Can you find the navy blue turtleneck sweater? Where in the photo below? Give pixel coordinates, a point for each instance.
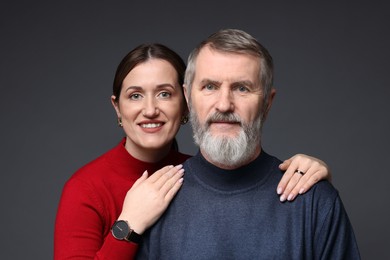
(236, 214)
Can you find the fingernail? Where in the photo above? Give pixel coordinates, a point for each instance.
(290, 197)
(282, 198)
(301, 191)
(279, 190)
(179, 166)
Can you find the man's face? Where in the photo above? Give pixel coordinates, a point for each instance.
(226, 101)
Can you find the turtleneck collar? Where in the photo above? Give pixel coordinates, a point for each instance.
(125, 164)
(253, 174)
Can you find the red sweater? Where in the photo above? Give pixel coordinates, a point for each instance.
(92, 200)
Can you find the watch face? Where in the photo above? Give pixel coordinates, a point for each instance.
(120, 229)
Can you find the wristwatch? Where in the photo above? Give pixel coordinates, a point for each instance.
(122, 231)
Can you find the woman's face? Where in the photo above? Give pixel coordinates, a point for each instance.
(150, 105)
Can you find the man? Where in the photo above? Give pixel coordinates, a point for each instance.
(227, 208)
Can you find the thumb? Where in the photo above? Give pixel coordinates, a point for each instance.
(143, 177)
(285, 164)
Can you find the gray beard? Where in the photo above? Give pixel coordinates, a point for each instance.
(231, 152)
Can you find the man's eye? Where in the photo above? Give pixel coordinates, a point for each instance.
(242, 89)
(165, 94)
(209, 87)
(135, 96)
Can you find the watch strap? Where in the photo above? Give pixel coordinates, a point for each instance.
(134, 237)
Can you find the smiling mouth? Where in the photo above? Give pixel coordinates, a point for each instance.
(151, 125)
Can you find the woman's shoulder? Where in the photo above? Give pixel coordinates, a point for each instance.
(98, 166)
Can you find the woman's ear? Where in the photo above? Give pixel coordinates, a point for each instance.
(115, 104)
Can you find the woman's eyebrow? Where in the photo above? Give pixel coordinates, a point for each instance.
(136, 88)
(164, 85)
(159, 86)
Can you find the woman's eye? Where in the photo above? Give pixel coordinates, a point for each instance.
(164, 94)
(135, 96)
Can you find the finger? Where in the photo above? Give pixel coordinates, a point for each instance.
(167, 176)
(313, 175)
(314, 168)
(288, 193)
(143, 177)
(284, 165)
(297, 188)
(172, 183)
(173, 191)
(156, 175)
(286, 177)
(312, 178)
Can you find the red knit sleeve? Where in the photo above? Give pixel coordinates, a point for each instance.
(81, 227)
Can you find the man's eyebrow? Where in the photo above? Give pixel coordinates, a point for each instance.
(217, 83)
(209, 81)
(244, 82)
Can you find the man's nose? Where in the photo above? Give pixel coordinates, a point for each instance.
(225, 102)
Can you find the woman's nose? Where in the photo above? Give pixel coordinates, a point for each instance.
(150, 108)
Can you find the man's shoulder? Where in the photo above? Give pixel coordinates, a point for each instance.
(323, 196)
(325, 188)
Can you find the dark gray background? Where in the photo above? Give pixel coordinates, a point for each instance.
(58, 61)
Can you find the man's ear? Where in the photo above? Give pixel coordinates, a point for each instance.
(271, 97)
(115, 104)
(186, 108)
(186, 94)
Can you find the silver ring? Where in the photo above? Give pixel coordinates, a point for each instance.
(299, 171)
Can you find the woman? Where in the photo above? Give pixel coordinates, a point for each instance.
(150, 106)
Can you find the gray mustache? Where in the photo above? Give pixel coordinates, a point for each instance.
(224, 117)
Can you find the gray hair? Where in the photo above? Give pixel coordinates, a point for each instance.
(235, 41)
